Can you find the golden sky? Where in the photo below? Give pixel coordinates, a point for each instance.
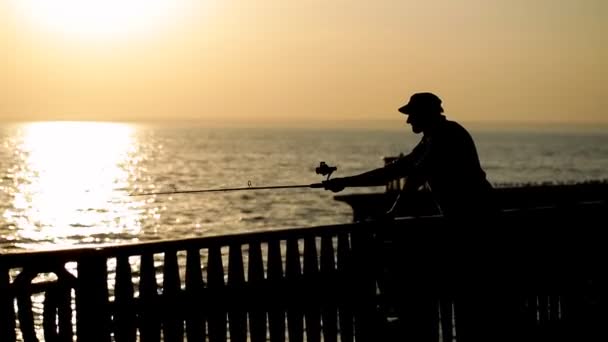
(292, 61)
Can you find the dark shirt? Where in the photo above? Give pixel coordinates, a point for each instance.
(446, 159)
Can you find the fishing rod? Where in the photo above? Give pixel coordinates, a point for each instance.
(322, 169)
(314, 185)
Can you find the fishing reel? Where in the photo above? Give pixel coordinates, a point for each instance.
(325, 170)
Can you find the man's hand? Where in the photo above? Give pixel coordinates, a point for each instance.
(334, 184)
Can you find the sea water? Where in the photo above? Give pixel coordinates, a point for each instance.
(68, 183)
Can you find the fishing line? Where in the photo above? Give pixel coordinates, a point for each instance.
(322, 169)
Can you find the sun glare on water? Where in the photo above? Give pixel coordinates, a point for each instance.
(96, 18)
(71, 172)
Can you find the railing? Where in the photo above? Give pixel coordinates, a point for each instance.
(423, 279)
(295, 283)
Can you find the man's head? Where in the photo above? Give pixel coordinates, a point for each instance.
(423, 109)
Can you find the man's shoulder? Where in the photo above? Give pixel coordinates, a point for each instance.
(452, 124)
(454, 134)
(453, 127)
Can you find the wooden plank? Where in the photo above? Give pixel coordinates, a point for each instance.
(237, 313)
(364, 285)
(124, 315)
(257, 297)
(543, 308)
(49, 314)
(345, 310)
(57, 313)
(148, 299)
(446, 313)
(64, 311)
(293, 277)
(329, 307)
(216, 296)
(7, 308)
(196, 308)
(532, 313)
(22, 292)
(173, 321)
(276, 295)
(554, 303)
(92, 307)
(26, 316)
(311, 291)
(526, 321)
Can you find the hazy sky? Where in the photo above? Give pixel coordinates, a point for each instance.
(269, 60)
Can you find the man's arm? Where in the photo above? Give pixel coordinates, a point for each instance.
(370, 178)
(418, 171)
(376, 177)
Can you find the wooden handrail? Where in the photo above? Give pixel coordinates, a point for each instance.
(18, 259)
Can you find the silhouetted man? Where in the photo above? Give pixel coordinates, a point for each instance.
(445, 159)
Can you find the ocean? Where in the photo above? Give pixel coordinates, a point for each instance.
(69, 183)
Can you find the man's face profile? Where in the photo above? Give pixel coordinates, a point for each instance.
(416, 121)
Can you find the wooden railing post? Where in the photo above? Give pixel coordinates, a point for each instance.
(149, 323)
(345, 304)
(237, 314)
(173, 321)
(293, 277)
(276, 310)
(329, 307)
(216, 298)
(93, 315)
(125, 328)
(446, 312)
(364, 282)
(22, 292)
(257, 297)
(49, 314)
(57, 313)
(196, 307)
(26, 316)
(64, 311)
(312, 289)
(412, 274)
(7, 308)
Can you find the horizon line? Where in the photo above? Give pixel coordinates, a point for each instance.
(334, 123)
